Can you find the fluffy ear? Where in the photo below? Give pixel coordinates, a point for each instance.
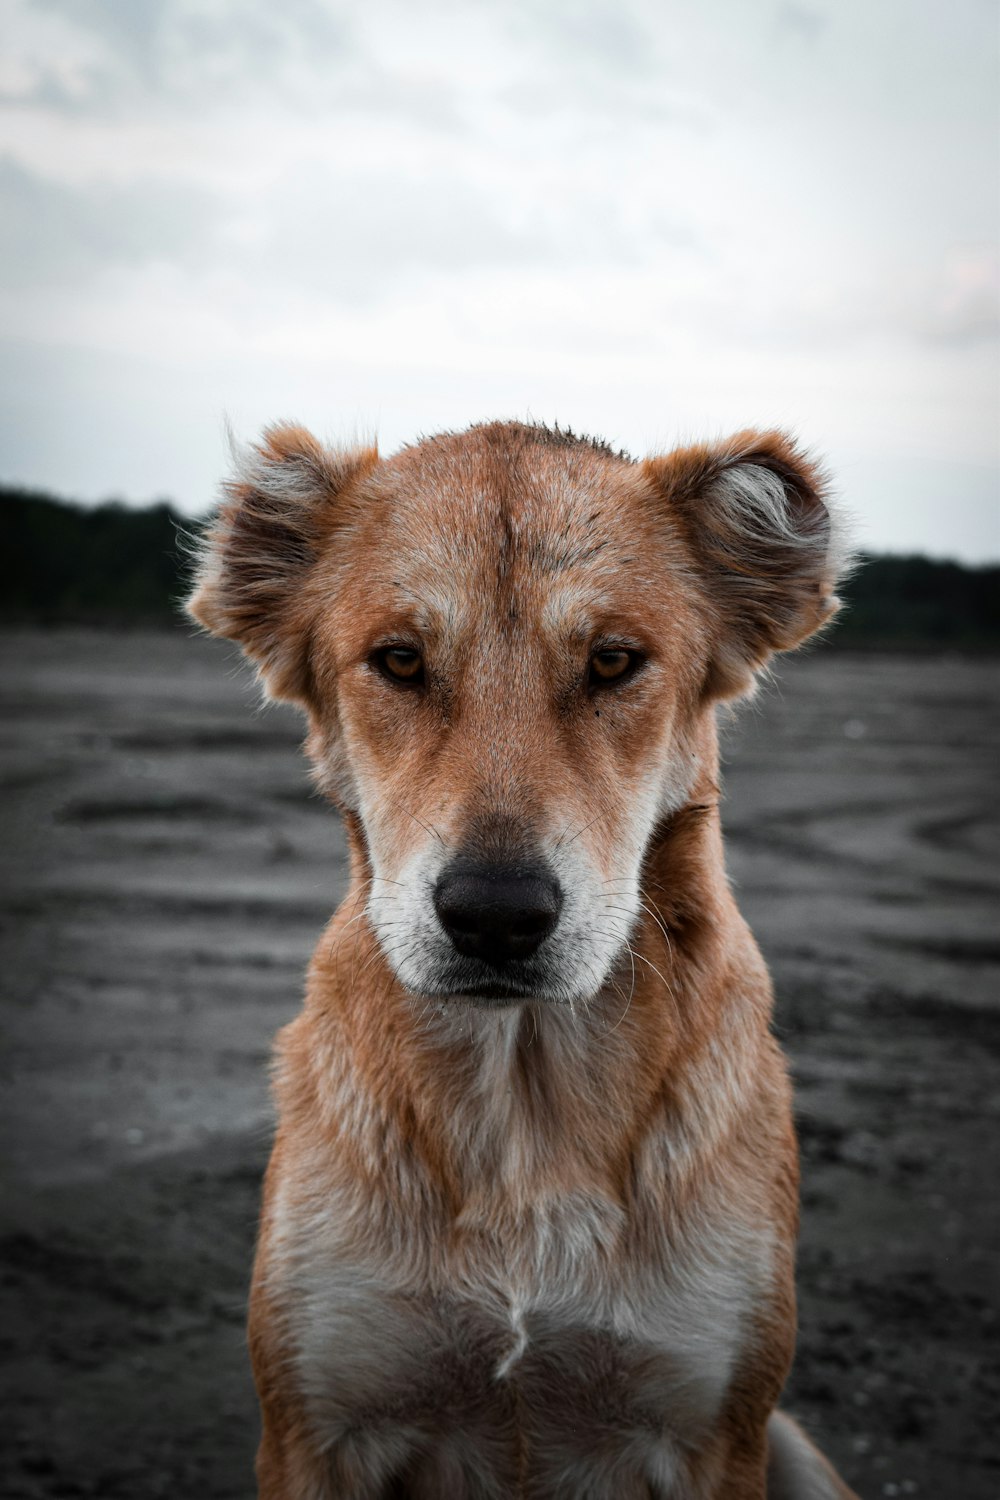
(277, 511)
(766, 545)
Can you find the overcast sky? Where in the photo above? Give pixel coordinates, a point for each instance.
(650, 221)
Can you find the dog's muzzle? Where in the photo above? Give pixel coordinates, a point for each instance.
(496, 913)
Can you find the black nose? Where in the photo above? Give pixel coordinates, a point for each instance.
(497, 912)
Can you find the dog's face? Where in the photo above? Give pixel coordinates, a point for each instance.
(508, 642)
(509, 650)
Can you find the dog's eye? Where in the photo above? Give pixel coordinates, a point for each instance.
(611, 666)
(401, 663)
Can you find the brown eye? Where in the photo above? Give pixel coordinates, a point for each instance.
(401, 663)
(611, 666)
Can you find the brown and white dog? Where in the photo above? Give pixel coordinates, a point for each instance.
(529, 1225)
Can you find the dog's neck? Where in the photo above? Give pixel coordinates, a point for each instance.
(526, 1094)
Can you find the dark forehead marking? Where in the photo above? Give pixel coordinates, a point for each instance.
(505, 446)
(556, 559)
(507, 546)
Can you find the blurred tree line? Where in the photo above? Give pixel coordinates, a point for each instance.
(110, 565)
(106, 564)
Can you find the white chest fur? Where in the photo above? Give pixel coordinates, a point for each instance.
(553, 1342)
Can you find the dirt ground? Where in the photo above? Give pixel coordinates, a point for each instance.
(165, 875)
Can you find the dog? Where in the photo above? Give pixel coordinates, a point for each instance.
(529, 1224)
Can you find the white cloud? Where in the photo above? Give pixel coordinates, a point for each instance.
(637, 218)
(52, 233)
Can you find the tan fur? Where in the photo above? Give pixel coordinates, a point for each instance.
(539, 1245)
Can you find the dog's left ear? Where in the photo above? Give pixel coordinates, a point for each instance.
(278, 512)
(756, 516)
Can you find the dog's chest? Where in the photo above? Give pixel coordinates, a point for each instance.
(587, 1365)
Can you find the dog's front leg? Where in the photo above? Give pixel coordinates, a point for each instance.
(362, 1466)
(286, 1470)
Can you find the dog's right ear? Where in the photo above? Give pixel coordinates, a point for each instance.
(277, 512)
(766, 542)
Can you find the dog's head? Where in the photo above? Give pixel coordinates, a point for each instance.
(508, 642)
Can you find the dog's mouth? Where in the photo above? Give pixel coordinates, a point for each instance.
(495, 994)
(487, 985)
(490, 994)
